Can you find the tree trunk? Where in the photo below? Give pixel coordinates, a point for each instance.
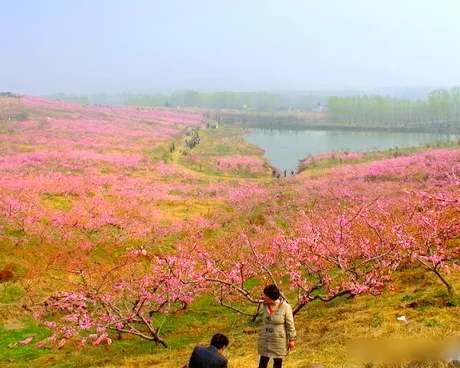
(449, 287)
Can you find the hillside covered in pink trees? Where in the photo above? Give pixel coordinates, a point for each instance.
(110, 229)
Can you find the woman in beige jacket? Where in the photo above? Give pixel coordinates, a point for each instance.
(278, 331)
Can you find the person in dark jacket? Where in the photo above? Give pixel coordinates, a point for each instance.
(211, 356)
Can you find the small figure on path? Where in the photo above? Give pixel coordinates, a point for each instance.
(284, 173)
(278, 175)
(211, 356)
(278, 333)
(292, 172)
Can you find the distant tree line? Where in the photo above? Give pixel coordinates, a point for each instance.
(83, 100)
(9, 95)
(441, 107)
(264, 101)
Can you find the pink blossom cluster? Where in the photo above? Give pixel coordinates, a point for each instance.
(20, 161)
(77, 168)
(163, 285)
(93, 203)
(253, 164)
(43, 103)
(340, 156)
(154, 114)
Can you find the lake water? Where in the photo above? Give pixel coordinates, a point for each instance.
(284, 148)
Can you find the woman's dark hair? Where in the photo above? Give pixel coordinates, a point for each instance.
(219, 341)
(272, 292)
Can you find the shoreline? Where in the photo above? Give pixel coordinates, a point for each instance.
(356, 128)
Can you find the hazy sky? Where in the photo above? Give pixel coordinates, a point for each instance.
(89, 46)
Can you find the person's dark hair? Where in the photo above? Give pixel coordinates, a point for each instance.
(272, 292)
(219, 341)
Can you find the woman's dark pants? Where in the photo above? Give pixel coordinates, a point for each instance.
(277, 362)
